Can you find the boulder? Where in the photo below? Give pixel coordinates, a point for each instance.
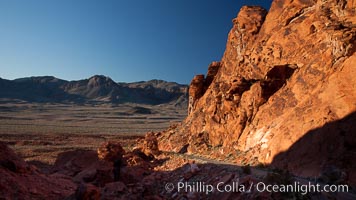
(84, 166)
(20, 180)
(87, 192)
(150, 145)
(110, 151)
(10, 161)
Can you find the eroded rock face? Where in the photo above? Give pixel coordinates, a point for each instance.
(12, 162)
(20, 180)
(212, 71)
(283, 74)
(84, 166)
(150, 145)
(110, 151)
(200, 84)
(143, 179)
(196, 90)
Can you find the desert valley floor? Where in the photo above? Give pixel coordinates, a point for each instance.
(39, 131)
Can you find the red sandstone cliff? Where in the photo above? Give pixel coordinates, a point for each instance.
(284, 92)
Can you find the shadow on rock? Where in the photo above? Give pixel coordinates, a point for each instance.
(328, 152)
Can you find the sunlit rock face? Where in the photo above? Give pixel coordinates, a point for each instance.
(284, 75)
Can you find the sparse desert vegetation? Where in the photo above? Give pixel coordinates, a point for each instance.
(39, 131)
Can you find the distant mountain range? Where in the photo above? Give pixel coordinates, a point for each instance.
(97, 89)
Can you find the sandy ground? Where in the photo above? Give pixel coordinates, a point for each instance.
(39, 131)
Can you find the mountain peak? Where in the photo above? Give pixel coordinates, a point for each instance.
(99, 77)
(100, 80)
(96, 88)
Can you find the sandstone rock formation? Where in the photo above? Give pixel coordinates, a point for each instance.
(199, 85)
(22, 181)
(283, 74)
(84, 166)
(282, 95)
(212, 71)
(139, 178)
(196, 90)
(110, 151)
(150, 145)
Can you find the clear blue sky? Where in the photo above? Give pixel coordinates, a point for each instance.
(127, 40)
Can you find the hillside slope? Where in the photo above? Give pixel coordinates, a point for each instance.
(283, 94)
(97, 89)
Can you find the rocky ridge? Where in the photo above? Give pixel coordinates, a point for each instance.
(96, 89)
